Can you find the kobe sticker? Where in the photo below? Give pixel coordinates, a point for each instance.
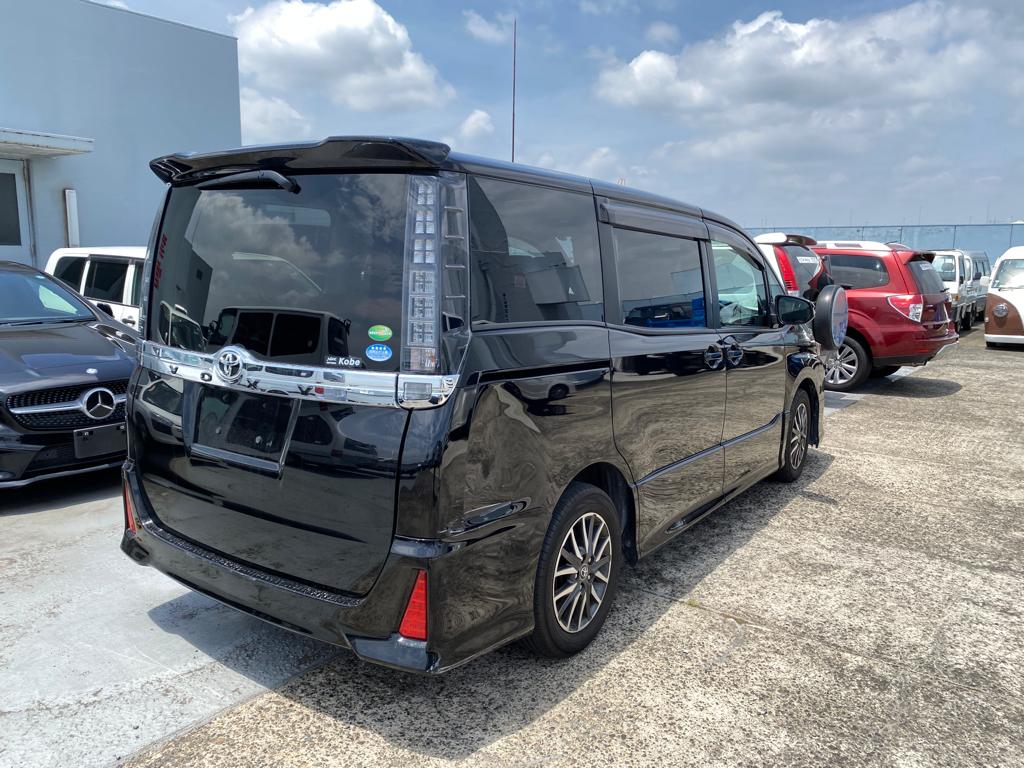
(378, 352)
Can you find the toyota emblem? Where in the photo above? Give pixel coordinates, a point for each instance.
(99, 403)
(229, 364)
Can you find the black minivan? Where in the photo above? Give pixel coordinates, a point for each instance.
(421, 404)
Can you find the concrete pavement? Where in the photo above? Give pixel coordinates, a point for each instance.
(868, 615)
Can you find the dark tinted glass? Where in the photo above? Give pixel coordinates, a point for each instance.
(10, 225)
(301, 277)
(742, 296)
(137, 286)
(534, 254)
(105, 280)
(806, 264)
(30, 296)
(661, 284)
(927, 279)
(69, 269)
(856, 271)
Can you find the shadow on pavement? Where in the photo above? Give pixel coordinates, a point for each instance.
(910, 386)
(60, 492)
(457, 714)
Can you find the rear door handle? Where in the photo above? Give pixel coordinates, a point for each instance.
(713, 356)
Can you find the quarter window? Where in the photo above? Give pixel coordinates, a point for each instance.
(106, 280)
(69, 270)
(742, 295)
(534, 254)
(661, 284)
(853, 271)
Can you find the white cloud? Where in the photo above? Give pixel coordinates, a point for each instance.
(603, 7)
(771, 85)
(662, 33)
(353, 49)
(476, 125)
(269, 119)
(497, 31)
(602, 163)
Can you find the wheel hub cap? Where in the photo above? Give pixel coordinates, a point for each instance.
(582, 572)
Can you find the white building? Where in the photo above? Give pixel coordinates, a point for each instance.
(88, 96)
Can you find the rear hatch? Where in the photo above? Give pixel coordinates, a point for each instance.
(297, 280)
(935, 315)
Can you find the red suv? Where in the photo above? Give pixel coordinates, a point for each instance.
(899, 310)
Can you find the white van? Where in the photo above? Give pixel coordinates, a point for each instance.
(110, 277)
(957, 273)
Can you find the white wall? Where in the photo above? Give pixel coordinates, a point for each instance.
(140, 87)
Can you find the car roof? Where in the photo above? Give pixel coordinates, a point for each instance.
(16, 266)
(130, 251)
(397, 153)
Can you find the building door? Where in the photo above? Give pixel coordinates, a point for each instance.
(15, 233)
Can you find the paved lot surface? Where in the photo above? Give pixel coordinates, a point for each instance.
(99, 657)
(870, 614)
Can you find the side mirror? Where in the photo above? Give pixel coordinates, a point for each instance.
(792, 310)
(831, 317)
(977, 276)
(105, 309)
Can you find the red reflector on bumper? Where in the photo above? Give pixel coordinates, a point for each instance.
(414, 621)
(129, 511)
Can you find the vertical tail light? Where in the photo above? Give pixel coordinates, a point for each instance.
(435, 300)
(414, 620)
(911, 306)
(786, 269)
(129, 510)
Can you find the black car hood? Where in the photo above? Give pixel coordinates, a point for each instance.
(33, 357)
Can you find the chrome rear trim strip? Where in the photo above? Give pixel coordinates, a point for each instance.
(235, 368)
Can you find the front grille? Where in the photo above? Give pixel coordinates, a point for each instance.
(66, 419)
(63, 419)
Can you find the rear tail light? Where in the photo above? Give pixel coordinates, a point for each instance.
(434, 285)
(786, 269)
(414, 620)
(129, 510)
(911, 306)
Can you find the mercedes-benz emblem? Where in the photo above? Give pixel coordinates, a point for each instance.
(229, 364)
(99, 403)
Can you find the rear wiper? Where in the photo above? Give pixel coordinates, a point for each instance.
(252, 177)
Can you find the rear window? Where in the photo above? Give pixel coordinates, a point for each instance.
(852, 270)
(927, 279)
(312, 278)
(945, 265)
(806, 263)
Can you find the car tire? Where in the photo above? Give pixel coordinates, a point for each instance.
(563, 625)
(851, 363)
(991, 345)
(880, 371)
(798, 432)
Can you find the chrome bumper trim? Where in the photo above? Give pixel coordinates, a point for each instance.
(63, 473)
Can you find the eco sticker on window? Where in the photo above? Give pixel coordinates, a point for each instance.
(379, 333)
(378, 352)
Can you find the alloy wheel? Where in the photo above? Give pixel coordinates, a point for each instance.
(842, 368)
(582, 572)
(798, 436)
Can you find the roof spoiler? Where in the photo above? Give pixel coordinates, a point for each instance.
(783, 238)
(335, 152)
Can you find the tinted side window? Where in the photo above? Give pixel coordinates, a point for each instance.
(855, 271)
(742, 296)
(69, 269)
(534, 254)
(106, 280)
(661, 284)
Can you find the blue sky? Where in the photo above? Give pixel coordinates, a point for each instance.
(785, 113)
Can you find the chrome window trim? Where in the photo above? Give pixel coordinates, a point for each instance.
(301, 382)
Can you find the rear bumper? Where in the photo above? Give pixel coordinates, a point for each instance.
(916, 350)
(366, 625)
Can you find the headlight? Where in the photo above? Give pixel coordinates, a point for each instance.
(1000, 310)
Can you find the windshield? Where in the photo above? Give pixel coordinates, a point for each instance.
(31, 297)
(313, 278)
(1010, 274)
